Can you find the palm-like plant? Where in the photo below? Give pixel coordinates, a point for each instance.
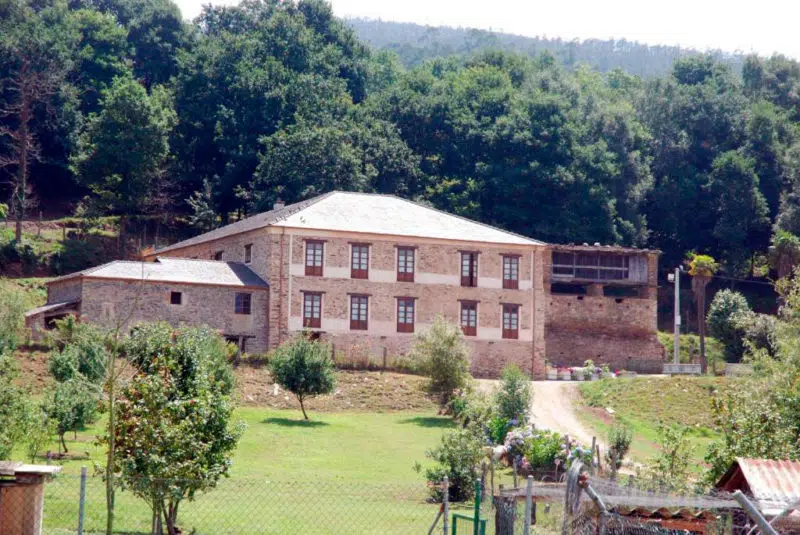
(702, 268)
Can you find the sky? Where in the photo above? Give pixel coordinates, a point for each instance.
(761, 26)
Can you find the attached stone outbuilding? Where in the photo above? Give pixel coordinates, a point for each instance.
(226, 296)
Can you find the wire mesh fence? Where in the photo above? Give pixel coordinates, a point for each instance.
(250, 506)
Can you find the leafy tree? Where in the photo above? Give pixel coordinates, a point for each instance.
(303, 367)
(443, 356)
(742, 213)
(84, 357)
(784, 253)
(724, 319)
(12, 308)
(174, 437)
(513, 398)
(203, 216)
(14, 407)
(33, 68)
(123, 148)
(72, 405)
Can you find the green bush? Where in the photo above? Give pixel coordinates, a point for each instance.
(513, 399)
(457, 457)
(441, 354)
(304, 368)
(72, 405)
(498, 427)
(690, 345)
(724, 322)
(12, 319)
(75, 255)
(543, 449)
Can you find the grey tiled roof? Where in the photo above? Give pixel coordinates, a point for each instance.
(367, 213)
(177, 270)
(264, 219)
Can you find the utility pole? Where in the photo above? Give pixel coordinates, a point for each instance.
(676, 279)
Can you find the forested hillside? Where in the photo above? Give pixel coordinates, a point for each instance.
(415, 43)
(119, 108)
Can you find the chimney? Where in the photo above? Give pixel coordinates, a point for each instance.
(278, 204)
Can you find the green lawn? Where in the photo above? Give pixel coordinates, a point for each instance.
(644, 402)
(339, 473)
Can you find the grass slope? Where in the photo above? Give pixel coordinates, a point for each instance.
(644, 402)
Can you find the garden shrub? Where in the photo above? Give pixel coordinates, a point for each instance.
(77, 254)
(72, 405)
(457, 457)
(442, 355)
(543, 448)
(498, 427)
(12, 322)
(513, 399)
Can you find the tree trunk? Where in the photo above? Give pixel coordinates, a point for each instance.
(22, 172)
(64, 444)
(172, 517)
(302, 407)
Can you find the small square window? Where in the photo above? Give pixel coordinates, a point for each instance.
(175, 298)
(248, 253)
(242, 304)
(218, 255)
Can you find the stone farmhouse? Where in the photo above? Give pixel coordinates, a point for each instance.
(367, 271)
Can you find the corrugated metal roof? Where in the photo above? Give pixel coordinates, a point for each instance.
(772, 481)
(177, 270)
(367, 213)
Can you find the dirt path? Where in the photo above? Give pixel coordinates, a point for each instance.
(552, 408)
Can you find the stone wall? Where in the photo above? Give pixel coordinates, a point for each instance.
(488, 357)
(66, 290)
(106, 302)
(232, 248)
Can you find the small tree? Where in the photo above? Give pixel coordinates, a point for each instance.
(304, 367)
(620, 437)
(784, 253)
(724, 320)
(14, 407)
(72, 405)
(442, 355)
(669, 469)
(173, 434)
(457, 457)
(513, 399)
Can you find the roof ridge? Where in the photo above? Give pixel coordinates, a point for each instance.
(485, 225)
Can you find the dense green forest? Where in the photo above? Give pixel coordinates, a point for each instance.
(415, 43)
(119, 107)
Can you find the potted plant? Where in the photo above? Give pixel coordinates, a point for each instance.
(589, 370)
(605, 372)
(564, 374)
(552, 373)
(577, 374)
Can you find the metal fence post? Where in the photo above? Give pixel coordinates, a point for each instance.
(82, 501)
(476, 524)
(526, 529)
(446, 505)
